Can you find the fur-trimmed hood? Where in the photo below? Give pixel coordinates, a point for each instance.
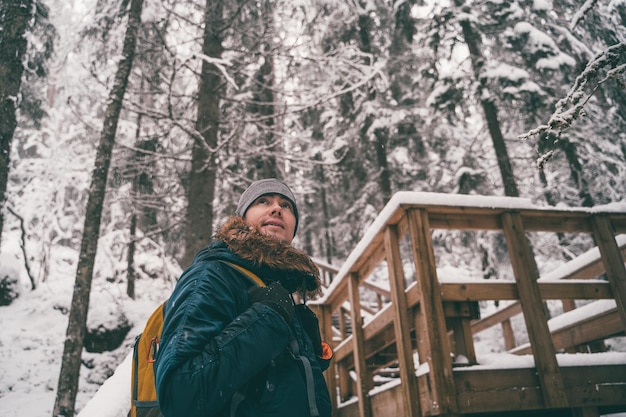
(250, 244)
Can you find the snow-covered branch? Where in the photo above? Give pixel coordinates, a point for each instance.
(33, 283)
(580, 14)
(569, 108)
(221, 65)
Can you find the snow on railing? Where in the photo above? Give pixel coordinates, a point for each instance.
(113, 397)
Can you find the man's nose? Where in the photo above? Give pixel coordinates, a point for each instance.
(276, 208)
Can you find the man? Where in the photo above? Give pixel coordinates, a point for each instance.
(233, 348)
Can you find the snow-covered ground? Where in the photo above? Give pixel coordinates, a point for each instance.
(34, 326)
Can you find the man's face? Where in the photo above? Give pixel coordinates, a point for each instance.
(273, 214)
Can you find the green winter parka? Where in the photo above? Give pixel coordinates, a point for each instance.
(220, 355)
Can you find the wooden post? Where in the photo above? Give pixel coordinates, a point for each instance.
(463, 340)
(526, 275)
(401, 324)
(508, 335)
(326, 322)
(569, 305)
(346, 388)
(343, 326)
(458, 315)
(613, 262)
(432, 339)
(362, 373)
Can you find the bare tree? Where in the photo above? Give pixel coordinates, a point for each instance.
(72, 351)
(144, 213)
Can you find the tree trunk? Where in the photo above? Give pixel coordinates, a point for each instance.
(130, 287)
(266, 162)
(264, 100)
(330, 242)
(321, 183)
(144, 215)
(381, 135)
(74, 340)
(201, 191)
(384, 178)
(14, 20)
(577, 172)
(472, 39)
(145, 202)
(504, 162)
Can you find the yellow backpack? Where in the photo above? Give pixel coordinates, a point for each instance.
(143, 399)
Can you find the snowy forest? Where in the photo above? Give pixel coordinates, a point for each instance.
(129, 128)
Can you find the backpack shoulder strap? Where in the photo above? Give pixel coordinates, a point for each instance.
(251, 275)
(240, 395)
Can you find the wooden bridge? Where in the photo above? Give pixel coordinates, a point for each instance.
(407, 336)
(404, 332)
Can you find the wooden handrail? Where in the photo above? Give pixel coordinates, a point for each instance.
(586, 267)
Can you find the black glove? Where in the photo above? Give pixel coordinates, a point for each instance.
(274, 296)
(296, 280)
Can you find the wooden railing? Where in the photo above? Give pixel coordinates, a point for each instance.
(387, 312)
(599, 321)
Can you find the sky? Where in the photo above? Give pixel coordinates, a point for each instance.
(34, 325)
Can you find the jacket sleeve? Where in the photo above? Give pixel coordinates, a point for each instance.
(213, 342)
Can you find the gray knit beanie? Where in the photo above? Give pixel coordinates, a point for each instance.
(262, 187)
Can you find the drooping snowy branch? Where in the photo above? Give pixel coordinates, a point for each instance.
(610, 64)
(580, 14)
(221, 65)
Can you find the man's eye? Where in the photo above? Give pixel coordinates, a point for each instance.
(286, 206)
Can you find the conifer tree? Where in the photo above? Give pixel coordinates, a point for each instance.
(18, 18)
